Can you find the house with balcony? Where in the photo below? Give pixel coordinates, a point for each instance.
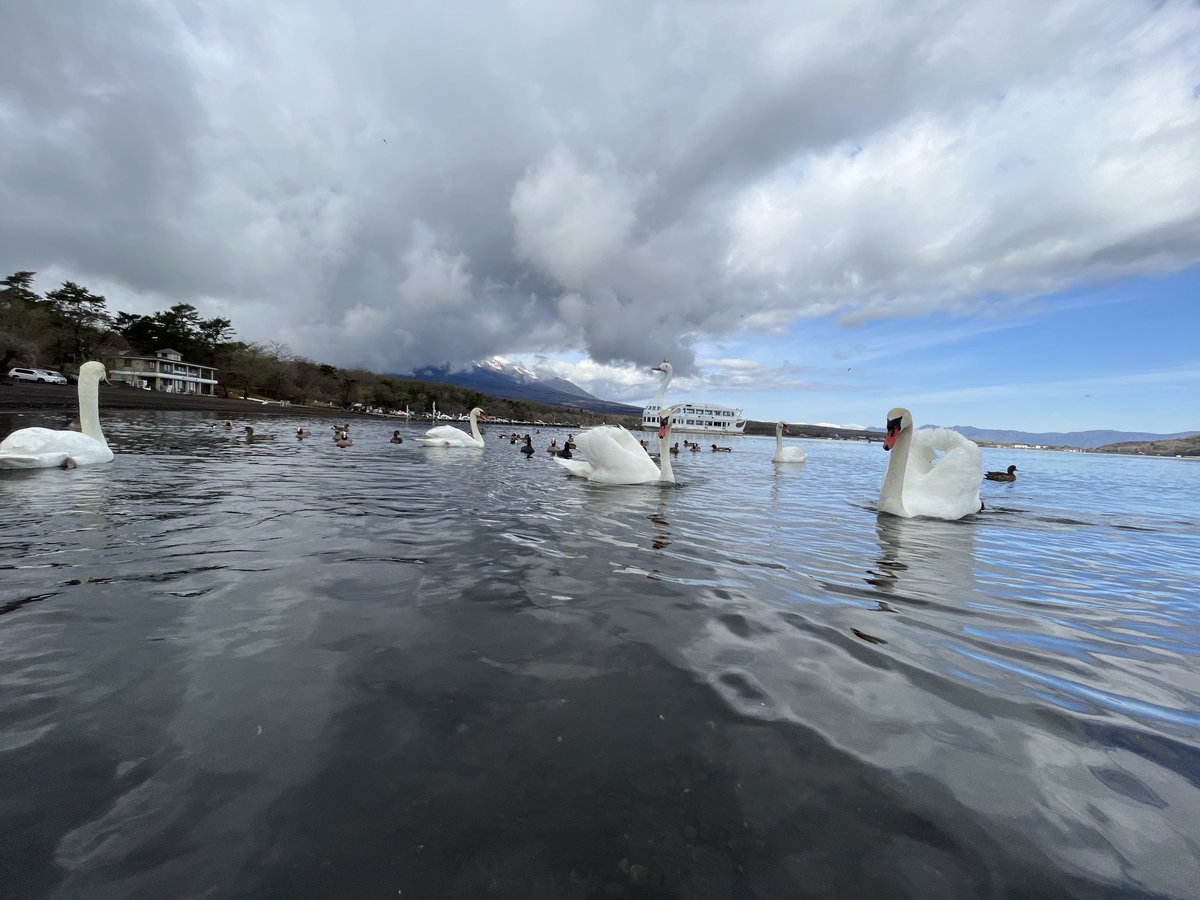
(164, 371)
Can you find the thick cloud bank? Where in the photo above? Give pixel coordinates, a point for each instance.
(397, 185)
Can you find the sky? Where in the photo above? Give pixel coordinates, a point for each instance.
(987, 212)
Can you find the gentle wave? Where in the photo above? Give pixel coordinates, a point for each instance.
(955, 649)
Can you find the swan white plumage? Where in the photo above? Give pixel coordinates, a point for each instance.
(43, 448)
(917, 483)
(786, 454)
(449, 436)
(614, 456)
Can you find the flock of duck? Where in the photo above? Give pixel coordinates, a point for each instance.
(932, 472)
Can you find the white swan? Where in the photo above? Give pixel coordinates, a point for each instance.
(614, 456)
(43, 448)
(449, 436)
(917, 483)
(786, 454)
(665, 370)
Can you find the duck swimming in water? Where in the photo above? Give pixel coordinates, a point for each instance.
(252, 438)
(528, 448)
(1010, 475)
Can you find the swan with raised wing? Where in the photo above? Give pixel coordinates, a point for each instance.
(917, 483)
(44, 448)
(614, 456)
(786, 454)
(449, 436)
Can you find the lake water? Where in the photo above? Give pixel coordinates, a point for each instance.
(289, 670)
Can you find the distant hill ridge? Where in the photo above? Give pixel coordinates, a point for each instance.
(500, 378)
(1187, 446)
(1087, 440)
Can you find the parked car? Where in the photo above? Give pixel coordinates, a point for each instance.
(42, 376)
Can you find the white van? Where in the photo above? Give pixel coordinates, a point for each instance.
(41, 376)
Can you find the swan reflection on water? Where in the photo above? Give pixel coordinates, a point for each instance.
(924, 559)
(662, 535)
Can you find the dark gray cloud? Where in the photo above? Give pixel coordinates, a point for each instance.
(395, 185)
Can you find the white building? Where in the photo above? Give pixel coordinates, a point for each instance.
(164, 371)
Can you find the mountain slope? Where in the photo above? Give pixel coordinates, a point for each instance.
(500, 378)
(1188, 446)
(1084, 439)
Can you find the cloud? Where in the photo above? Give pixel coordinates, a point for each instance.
(631, 383)
(537, 177)
(573, 222)
(434, 277)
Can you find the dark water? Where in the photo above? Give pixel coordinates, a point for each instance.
(294, 671)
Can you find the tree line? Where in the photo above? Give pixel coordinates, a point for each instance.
(65, 327)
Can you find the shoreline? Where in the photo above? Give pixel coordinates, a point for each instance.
(22, 398)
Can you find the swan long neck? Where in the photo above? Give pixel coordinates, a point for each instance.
(892, 492)
(89, 409)
(778, 441)
(666, 473)
(475, 427)
(662, 390)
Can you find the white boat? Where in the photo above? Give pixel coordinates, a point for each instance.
(691, 418)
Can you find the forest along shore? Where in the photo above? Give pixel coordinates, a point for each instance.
(24, 397)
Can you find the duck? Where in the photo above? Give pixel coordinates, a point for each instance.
(553, 448)
(614, 456)
(301, 434)
(396, 439)
(343, 440)
(565, 452)
(695, 448)
(528, 448)
(675, 449)
(917, 483)
(48, 448)
(1010, 475)
(228, 426)
(449, 436)
(716, 449)
(252, 438)
(786, 454)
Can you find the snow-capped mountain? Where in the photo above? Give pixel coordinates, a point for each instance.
(510, 381)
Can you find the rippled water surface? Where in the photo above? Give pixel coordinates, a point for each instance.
(289, 670)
